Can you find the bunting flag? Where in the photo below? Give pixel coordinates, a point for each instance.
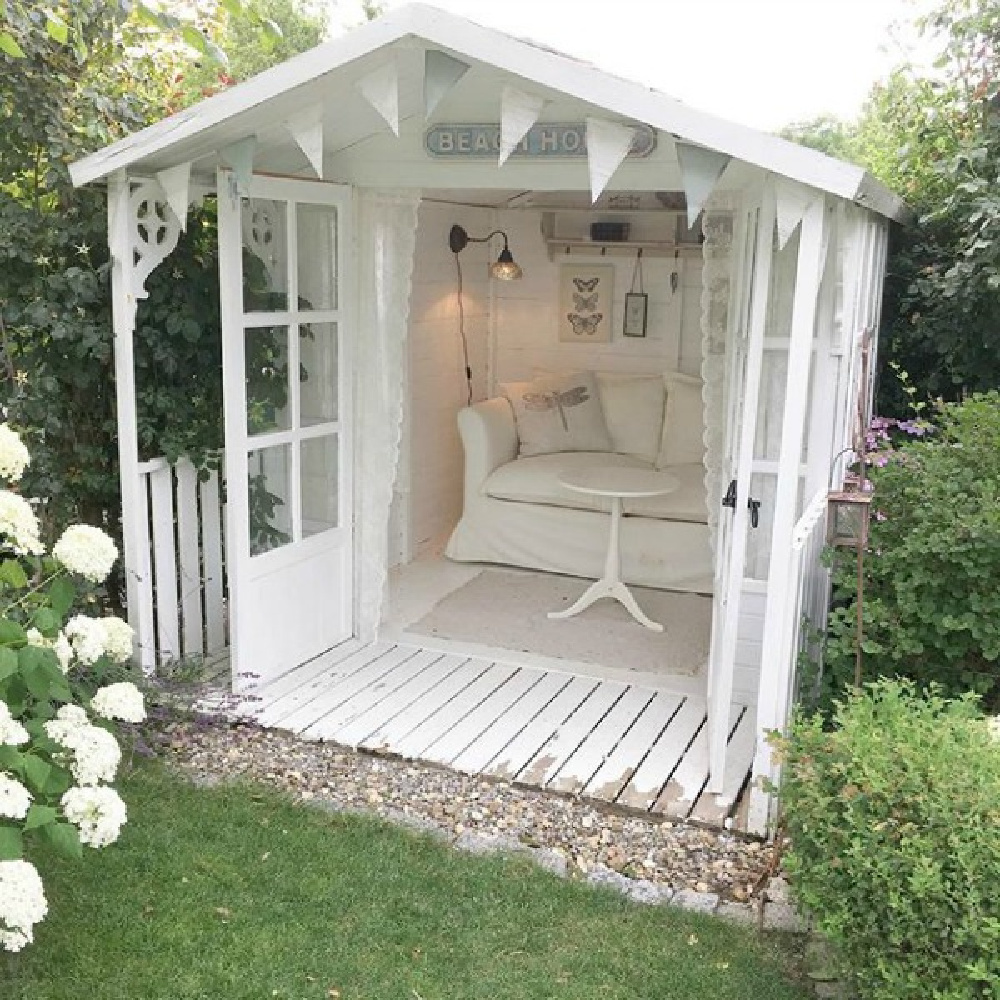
(441, 73)
(519, 110)
(792, 201)
(381, 91)
(306, 128)
(700, 171)
(608, 144)
(239, 157)
(176, 184)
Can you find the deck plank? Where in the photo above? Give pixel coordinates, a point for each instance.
(565, 740)
(359, 729)
(529, 742)
(507, 727)
(332, 700)
(481, 719)
(276, 705)
(388, 735)
(714, 809)
(682, 790)
(644, 787)
(409, 669)
(619, 766)
(581, 765)
(451, 714)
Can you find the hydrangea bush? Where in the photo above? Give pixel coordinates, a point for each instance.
(57, 755)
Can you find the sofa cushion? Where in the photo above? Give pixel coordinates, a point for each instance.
(683, 422)
(558, 413)
(536, 480)
(633, 411)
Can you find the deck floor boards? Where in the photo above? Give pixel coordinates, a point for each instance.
(612, 742)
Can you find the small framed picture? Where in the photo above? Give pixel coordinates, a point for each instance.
(636, 304)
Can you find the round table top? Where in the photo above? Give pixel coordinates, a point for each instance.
(615, 481)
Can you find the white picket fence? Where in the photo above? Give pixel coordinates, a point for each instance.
(182, 593)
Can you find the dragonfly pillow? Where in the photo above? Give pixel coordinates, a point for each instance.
(558, 413)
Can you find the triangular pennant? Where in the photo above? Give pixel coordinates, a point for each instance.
(239, 156)
(306, 128)
(176, 183)
(441, 73)
(519, 110)
(700, 171)
(608, 144)
(381, 91)
(792, 201)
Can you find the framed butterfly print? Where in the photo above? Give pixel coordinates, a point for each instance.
(585, 301)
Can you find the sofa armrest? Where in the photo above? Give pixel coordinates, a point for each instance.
(489, 438)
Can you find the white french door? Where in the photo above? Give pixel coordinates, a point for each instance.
(286, 384)
(749, 312)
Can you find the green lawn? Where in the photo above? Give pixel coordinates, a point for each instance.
(231, 893)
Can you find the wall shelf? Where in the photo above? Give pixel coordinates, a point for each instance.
(573, 237)
(560, 246)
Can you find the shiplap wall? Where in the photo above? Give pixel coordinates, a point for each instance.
(431, 460)
(527, 311)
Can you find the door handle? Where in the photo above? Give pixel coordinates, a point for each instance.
(729, 500)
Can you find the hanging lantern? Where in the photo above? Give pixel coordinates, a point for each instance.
(847, 520)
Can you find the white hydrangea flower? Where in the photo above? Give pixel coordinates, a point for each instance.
(994, 726)
(86, 635)
(92, 638)
(68, 719)
(15, 799)
(19, 524)
(14, 457)
(86, 550)
(22, 903)
(98, 813)
(12, 733)
(117, 638)
(96, 755)
(122, 701)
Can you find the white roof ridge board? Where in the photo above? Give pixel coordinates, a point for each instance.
(531, 62)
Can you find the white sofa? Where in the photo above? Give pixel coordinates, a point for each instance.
(517, 513)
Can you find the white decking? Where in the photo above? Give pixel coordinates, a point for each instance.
(610, 740)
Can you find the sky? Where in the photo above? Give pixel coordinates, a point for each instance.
(764, 63)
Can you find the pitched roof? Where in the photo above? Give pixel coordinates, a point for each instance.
(214, 119)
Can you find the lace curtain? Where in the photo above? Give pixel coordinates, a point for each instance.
(386, 227)
(717, 226)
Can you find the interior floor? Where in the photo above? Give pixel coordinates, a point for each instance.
(418, 588)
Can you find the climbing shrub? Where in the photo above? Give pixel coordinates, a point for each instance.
(893, 816)
(931, 604)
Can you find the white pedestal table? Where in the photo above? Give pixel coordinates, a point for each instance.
(617, 484)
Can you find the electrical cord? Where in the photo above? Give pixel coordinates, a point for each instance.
(461, 330)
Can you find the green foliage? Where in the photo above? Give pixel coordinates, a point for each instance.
(931, 604)
(892, 817)
(934, 138)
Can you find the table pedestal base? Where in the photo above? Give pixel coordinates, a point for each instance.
(610, 585)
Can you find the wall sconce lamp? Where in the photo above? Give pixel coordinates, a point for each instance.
(505, 268)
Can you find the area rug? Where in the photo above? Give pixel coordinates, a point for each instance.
(508, 609)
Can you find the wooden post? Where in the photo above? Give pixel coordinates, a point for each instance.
(134, 526)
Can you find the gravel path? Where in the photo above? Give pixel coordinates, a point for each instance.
(466, 809)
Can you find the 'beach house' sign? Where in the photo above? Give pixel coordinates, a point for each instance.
(543, 140)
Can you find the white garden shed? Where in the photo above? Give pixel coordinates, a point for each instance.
(339, 177)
